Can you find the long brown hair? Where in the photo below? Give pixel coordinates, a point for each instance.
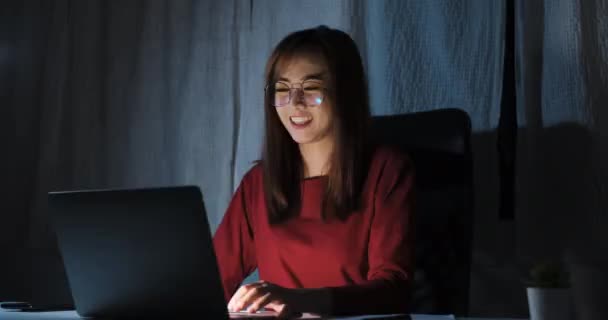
(348, 96)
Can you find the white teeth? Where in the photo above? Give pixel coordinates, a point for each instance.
(300, 120)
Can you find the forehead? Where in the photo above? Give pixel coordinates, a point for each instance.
(301, 66)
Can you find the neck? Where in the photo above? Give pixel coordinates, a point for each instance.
(316, 157)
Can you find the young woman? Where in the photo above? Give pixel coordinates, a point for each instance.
(325, 215)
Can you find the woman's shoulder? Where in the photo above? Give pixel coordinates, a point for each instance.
(390, 156)
(253, 177)
(390, 166)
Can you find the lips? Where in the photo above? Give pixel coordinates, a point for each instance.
(300, 121)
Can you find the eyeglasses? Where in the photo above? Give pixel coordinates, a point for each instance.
(281, 93)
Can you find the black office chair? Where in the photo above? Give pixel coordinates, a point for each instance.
(439, 144)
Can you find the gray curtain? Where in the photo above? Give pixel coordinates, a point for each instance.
(117, 94)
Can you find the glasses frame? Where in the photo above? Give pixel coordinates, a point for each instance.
(294, 87)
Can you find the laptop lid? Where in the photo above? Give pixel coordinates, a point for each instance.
(134, 253)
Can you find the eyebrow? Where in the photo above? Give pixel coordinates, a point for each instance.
(314, 76)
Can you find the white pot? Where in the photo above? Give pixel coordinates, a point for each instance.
(550, 304)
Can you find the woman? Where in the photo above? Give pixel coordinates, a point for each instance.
(324, 216)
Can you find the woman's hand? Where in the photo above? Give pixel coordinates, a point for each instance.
(262, 294)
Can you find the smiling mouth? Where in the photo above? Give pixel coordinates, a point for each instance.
(300, 121)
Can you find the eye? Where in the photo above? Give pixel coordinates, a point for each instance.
(280, 87)
(312, 86)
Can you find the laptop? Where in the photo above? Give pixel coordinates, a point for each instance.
(139, 253)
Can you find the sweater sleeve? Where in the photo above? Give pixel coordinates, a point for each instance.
(233, 243)
(389, 249)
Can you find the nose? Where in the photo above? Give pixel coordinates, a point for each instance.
(298, 97)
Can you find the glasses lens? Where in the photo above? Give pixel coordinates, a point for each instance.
(281, 94)
(313, 93)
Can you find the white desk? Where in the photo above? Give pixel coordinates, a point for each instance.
(71, 315)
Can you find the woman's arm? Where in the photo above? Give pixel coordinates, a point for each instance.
(233, 243)
(389, 250)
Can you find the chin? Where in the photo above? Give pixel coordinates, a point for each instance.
(302, 141)
(299, 139)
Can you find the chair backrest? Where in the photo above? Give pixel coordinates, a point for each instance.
(439, 143)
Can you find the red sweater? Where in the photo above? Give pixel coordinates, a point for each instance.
(365, 261)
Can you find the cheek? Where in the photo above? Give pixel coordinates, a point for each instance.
(283, 114)
(324, 116)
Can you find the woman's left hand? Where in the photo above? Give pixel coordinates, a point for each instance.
(261, 294)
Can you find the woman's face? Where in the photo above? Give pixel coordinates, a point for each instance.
(306, 122)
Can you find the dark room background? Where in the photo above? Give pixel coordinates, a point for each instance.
(108, 94)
